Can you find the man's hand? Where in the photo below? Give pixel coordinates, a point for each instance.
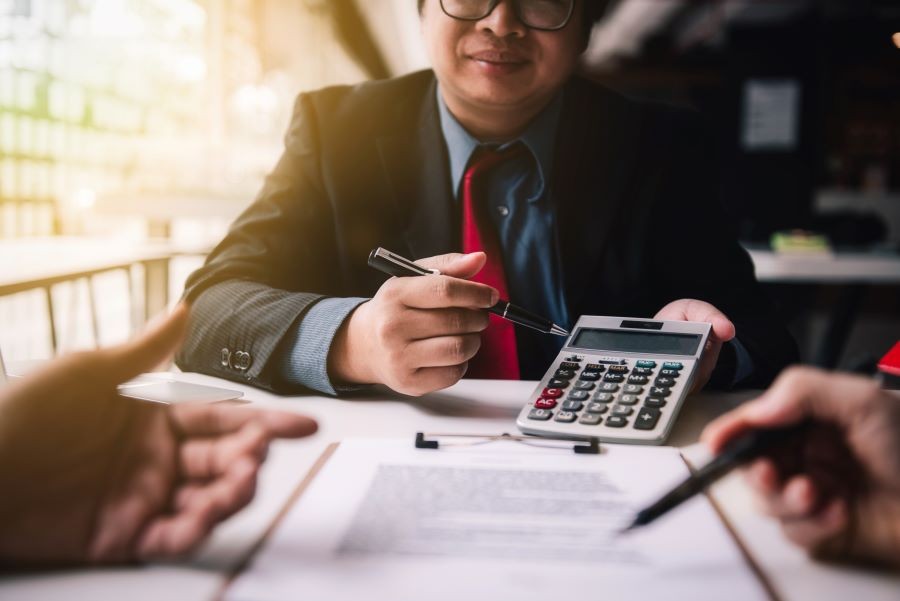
(418, 333)
(837, 492)
(687, 309)
(89, 476)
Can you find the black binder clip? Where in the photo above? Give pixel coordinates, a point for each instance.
(588, 447)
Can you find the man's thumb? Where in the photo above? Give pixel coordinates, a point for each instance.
(456, 265)
(150, 348)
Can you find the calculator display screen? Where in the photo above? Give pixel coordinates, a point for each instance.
(637, 342)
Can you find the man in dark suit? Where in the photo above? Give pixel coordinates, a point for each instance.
(564, 196)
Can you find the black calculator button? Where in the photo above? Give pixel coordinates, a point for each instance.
(557, 383)
(574, 358)
(572, 406)
(540, 414)
(673, 365)
(614, 378)
(603, 397)
(669, 373)
(597, 408)
(637, 379)
(646, 419)
(651, 402)
(570, 365)
(552, 393)
(590, 419)
(628, 399)
(645, 363)
(618, 369)
(595, 367)
(584, 385)
(579, 395)
(589, 376)
(564, 374)
(664, 382)
(622, 410)
(642, 371)
(566, 417)
(609, 387)
(616, 421)
(633, 389)
(660, 392)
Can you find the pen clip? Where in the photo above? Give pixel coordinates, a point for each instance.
(396, 265)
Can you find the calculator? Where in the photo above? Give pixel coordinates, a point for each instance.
(617, 379)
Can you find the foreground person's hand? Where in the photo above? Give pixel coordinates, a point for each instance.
(837, 492)
(89, 476)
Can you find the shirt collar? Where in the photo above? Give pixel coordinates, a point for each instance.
(539, 138)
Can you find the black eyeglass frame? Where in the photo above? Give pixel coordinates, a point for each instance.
(516, 7)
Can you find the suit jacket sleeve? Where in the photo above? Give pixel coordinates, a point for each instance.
(696, 254)
(254, 285)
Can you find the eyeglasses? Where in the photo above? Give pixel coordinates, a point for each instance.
(543, 15)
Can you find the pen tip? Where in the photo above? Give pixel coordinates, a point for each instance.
(627, 529)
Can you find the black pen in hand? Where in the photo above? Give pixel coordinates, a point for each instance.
(746, 448)
(393, 264)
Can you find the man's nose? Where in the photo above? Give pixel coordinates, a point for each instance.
(503, 21)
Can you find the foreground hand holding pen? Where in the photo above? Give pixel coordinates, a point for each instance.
(835, 487)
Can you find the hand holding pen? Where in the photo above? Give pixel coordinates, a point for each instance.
(416, 334)
(393, 264)
(823, 454)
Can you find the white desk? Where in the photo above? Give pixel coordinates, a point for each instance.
(836, 268)
(469, 407)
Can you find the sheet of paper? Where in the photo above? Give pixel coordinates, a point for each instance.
(384, 520)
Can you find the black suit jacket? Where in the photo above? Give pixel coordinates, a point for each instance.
(638, 224)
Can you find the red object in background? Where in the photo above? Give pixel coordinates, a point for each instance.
(890, 363)
(889, 366)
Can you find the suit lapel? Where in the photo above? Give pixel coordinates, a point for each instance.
(416, 166)
(595, 150)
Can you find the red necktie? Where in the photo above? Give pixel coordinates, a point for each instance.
(497, 358)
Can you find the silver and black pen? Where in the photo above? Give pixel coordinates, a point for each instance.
(393, 264)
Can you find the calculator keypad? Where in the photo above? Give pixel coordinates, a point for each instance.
(607, 392)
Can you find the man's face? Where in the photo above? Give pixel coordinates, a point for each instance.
(498, 62)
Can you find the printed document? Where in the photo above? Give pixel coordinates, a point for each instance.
(505, 520)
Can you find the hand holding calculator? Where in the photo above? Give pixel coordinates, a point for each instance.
(617, 379)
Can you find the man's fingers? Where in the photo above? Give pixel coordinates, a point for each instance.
(763, 477)
(193, 419)
(148, 350)
(444, 351)
(818, 532)
(456, 265)
(200, 511)
(429, 323)
(798, 393)
(210, 457)
(687, 309)
(429, 379)
(440, 291)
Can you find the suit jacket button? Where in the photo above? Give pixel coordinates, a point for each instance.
(226, 357)
(245, 361)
